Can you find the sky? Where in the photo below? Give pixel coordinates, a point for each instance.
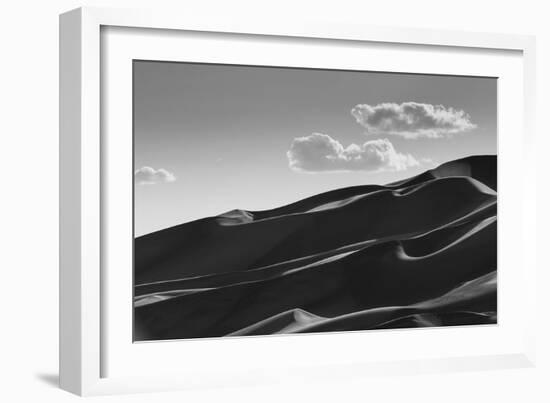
(212, 138)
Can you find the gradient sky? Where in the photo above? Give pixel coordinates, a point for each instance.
(221, 133)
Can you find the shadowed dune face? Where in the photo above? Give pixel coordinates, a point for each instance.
(416, 253)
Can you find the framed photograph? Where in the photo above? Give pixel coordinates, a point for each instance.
(248, 201)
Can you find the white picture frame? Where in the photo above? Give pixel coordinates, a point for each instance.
(86, 303)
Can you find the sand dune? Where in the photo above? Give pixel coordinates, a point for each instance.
(414, 253)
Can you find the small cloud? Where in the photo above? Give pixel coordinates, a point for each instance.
(428, 161)
(412, 119)
(321, 153)
(151, 176)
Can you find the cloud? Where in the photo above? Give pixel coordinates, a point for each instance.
(151, 176)
(412, 119)
(321, 153)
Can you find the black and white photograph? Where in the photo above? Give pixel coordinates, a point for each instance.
(273, 200)
(287, 202)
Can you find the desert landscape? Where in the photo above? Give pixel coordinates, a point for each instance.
(420, 252)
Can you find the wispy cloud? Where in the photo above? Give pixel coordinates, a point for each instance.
(412, 119)
(150, 176)
(321, 153)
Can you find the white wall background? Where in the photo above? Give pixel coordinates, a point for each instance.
(28, 202)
